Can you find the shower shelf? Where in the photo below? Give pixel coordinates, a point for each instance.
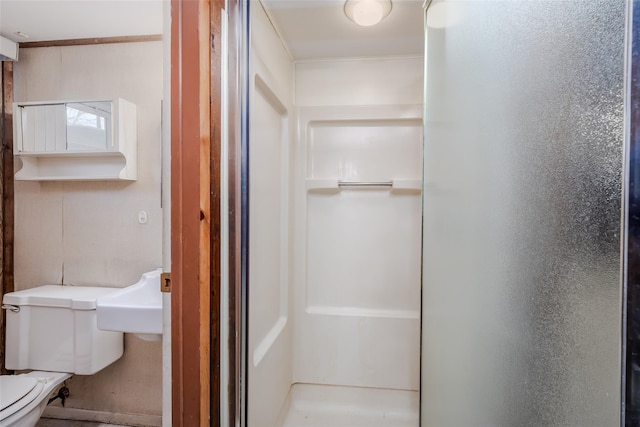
(411, 185)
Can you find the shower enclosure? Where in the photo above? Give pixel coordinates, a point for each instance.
(334, 243)
(438, 240)
(522, 285)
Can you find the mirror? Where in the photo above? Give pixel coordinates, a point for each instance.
(61, 126)
(88, 126)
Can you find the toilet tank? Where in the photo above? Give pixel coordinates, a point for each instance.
(54, 328)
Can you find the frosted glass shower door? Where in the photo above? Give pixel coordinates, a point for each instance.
(521, 314)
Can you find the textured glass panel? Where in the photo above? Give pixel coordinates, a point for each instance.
(522, 214)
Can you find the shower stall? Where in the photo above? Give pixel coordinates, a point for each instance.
(335, 219)
(436, 238)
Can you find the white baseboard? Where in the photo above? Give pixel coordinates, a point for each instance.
(102, 417)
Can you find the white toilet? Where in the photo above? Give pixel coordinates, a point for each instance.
(52, 331)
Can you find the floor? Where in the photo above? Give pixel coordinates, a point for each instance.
(312, 405)
(51, 422)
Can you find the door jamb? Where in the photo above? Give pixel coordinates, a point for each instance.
(194, 184)
(6, 196)
(195, 210)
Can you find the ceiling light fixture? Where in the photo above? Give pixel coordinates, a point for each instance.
(367, 12)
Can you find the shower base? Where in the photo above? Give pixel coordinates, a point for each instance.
(313, 405)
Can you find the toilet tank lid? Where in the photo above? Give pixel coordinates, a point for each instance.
(73, 297)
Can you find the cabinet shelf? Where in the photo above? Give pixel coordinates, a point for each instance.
(72, 154)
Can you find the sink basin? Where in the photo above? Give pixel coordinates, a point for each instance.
(135, 309)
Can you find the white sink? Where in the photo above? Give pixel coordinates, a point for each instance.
(135, 309)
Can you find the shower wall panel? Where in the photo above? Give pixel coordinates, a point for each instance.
(269, 357)
(357, 249)
(375, 81)
(522, 214)
(358, 306)
(363, 245)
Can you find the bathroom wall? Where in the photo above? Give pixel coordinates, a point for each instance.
(360, 81)
(357, 251)
(270, 356)
(87, 233)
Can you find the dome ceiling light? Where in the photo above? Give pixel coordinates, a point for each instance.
(367, 12)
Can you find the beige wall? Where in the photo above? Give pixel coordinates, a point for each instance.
(87, 233)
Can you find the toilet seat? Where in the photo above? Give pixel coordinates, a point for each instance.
(16, 392)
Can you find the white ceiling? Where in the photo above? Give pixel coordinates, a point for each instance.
(310, 28)
(319, 29)
(75, 19)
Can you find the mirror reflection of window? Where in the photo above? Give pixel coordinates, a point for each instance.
(88, 126)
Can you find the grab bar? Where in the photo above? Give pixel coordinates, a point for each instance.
(334, 184)
(365, 183)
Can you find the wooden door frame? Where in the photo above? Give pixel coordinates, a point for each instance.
(192, 264)
(6, 196)
(195, 210)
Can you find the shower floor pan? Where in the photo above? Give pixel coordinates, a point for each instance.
(313, 405)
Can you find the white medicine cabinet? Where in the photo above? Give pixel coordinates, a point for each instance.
(75, 140)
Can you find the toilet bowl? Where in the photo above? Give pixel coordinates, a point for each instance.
(24, 397)
(52, 331)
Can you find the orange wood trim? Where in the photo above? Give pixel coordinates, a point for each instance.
(216, 185)
(90, 41)
(7, 196)
(205, 210)
(190, 212)
(177, 327)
